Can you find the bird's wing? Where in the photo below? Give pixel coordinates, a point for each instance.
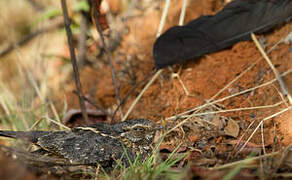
(88, 147)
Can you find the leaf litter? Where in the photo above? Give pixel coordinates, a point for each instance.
(208, 140)
(207, 144)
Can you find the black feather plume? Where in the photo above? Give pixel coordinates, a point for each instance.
(208, 34)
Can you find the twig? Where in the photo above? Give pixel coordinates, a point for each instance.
(58, 123)
(163, 17)
(233, 110)
(99, 30)
(245, 161)
(181, 22)
(205, 105)
(73, 60)
(262, 121)
(228, 85)
(281, 82)
(236, 147)
(288, 39)
(82, 39)
(30, 37)
(23, 41)
(227, 97)
(140, 95)
(263, 138)
(93, 104)
(183, 12)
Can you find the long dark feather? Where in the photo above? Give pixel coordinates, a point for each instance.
(31, 136)
(208, 34)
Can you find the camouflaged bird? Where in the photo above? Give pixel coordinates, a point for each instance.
(95, 144)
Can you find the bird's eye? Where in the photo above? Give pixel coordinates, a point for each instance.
(138, 129)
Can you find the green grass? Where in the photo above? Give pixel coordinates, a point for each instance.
(150, 168)
(21, 112)
(28, 107)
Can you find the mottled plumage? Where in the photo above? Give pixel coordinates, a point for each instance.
(95, 144)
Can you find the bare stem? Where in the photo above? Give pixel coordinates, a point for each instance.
(99, 30)
(82, 40)
(73, 60)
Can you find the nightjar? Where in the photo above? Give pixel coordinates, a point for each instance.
(95, 144)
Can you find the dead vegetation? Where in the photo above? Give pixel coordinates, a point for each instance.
(226, 111)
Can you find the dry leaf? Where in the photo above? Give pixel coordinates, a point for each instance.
(232, 128)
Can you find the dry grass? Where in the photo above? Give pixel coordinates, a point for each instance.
(30, 75)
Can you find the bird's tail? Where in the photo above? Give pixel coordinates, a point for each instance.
(31, 136)
(11, 134)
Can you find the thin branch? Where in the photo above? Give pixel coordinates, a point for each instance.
(82, 40)
(23, 41)
(99, 30)
(73, 60)
(30, 37)
(98, 107)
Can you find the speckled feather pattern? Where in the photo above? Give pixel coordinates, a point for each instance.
(95, 144)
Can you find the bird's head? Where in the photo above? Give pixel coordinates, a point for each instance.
(137, 133)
